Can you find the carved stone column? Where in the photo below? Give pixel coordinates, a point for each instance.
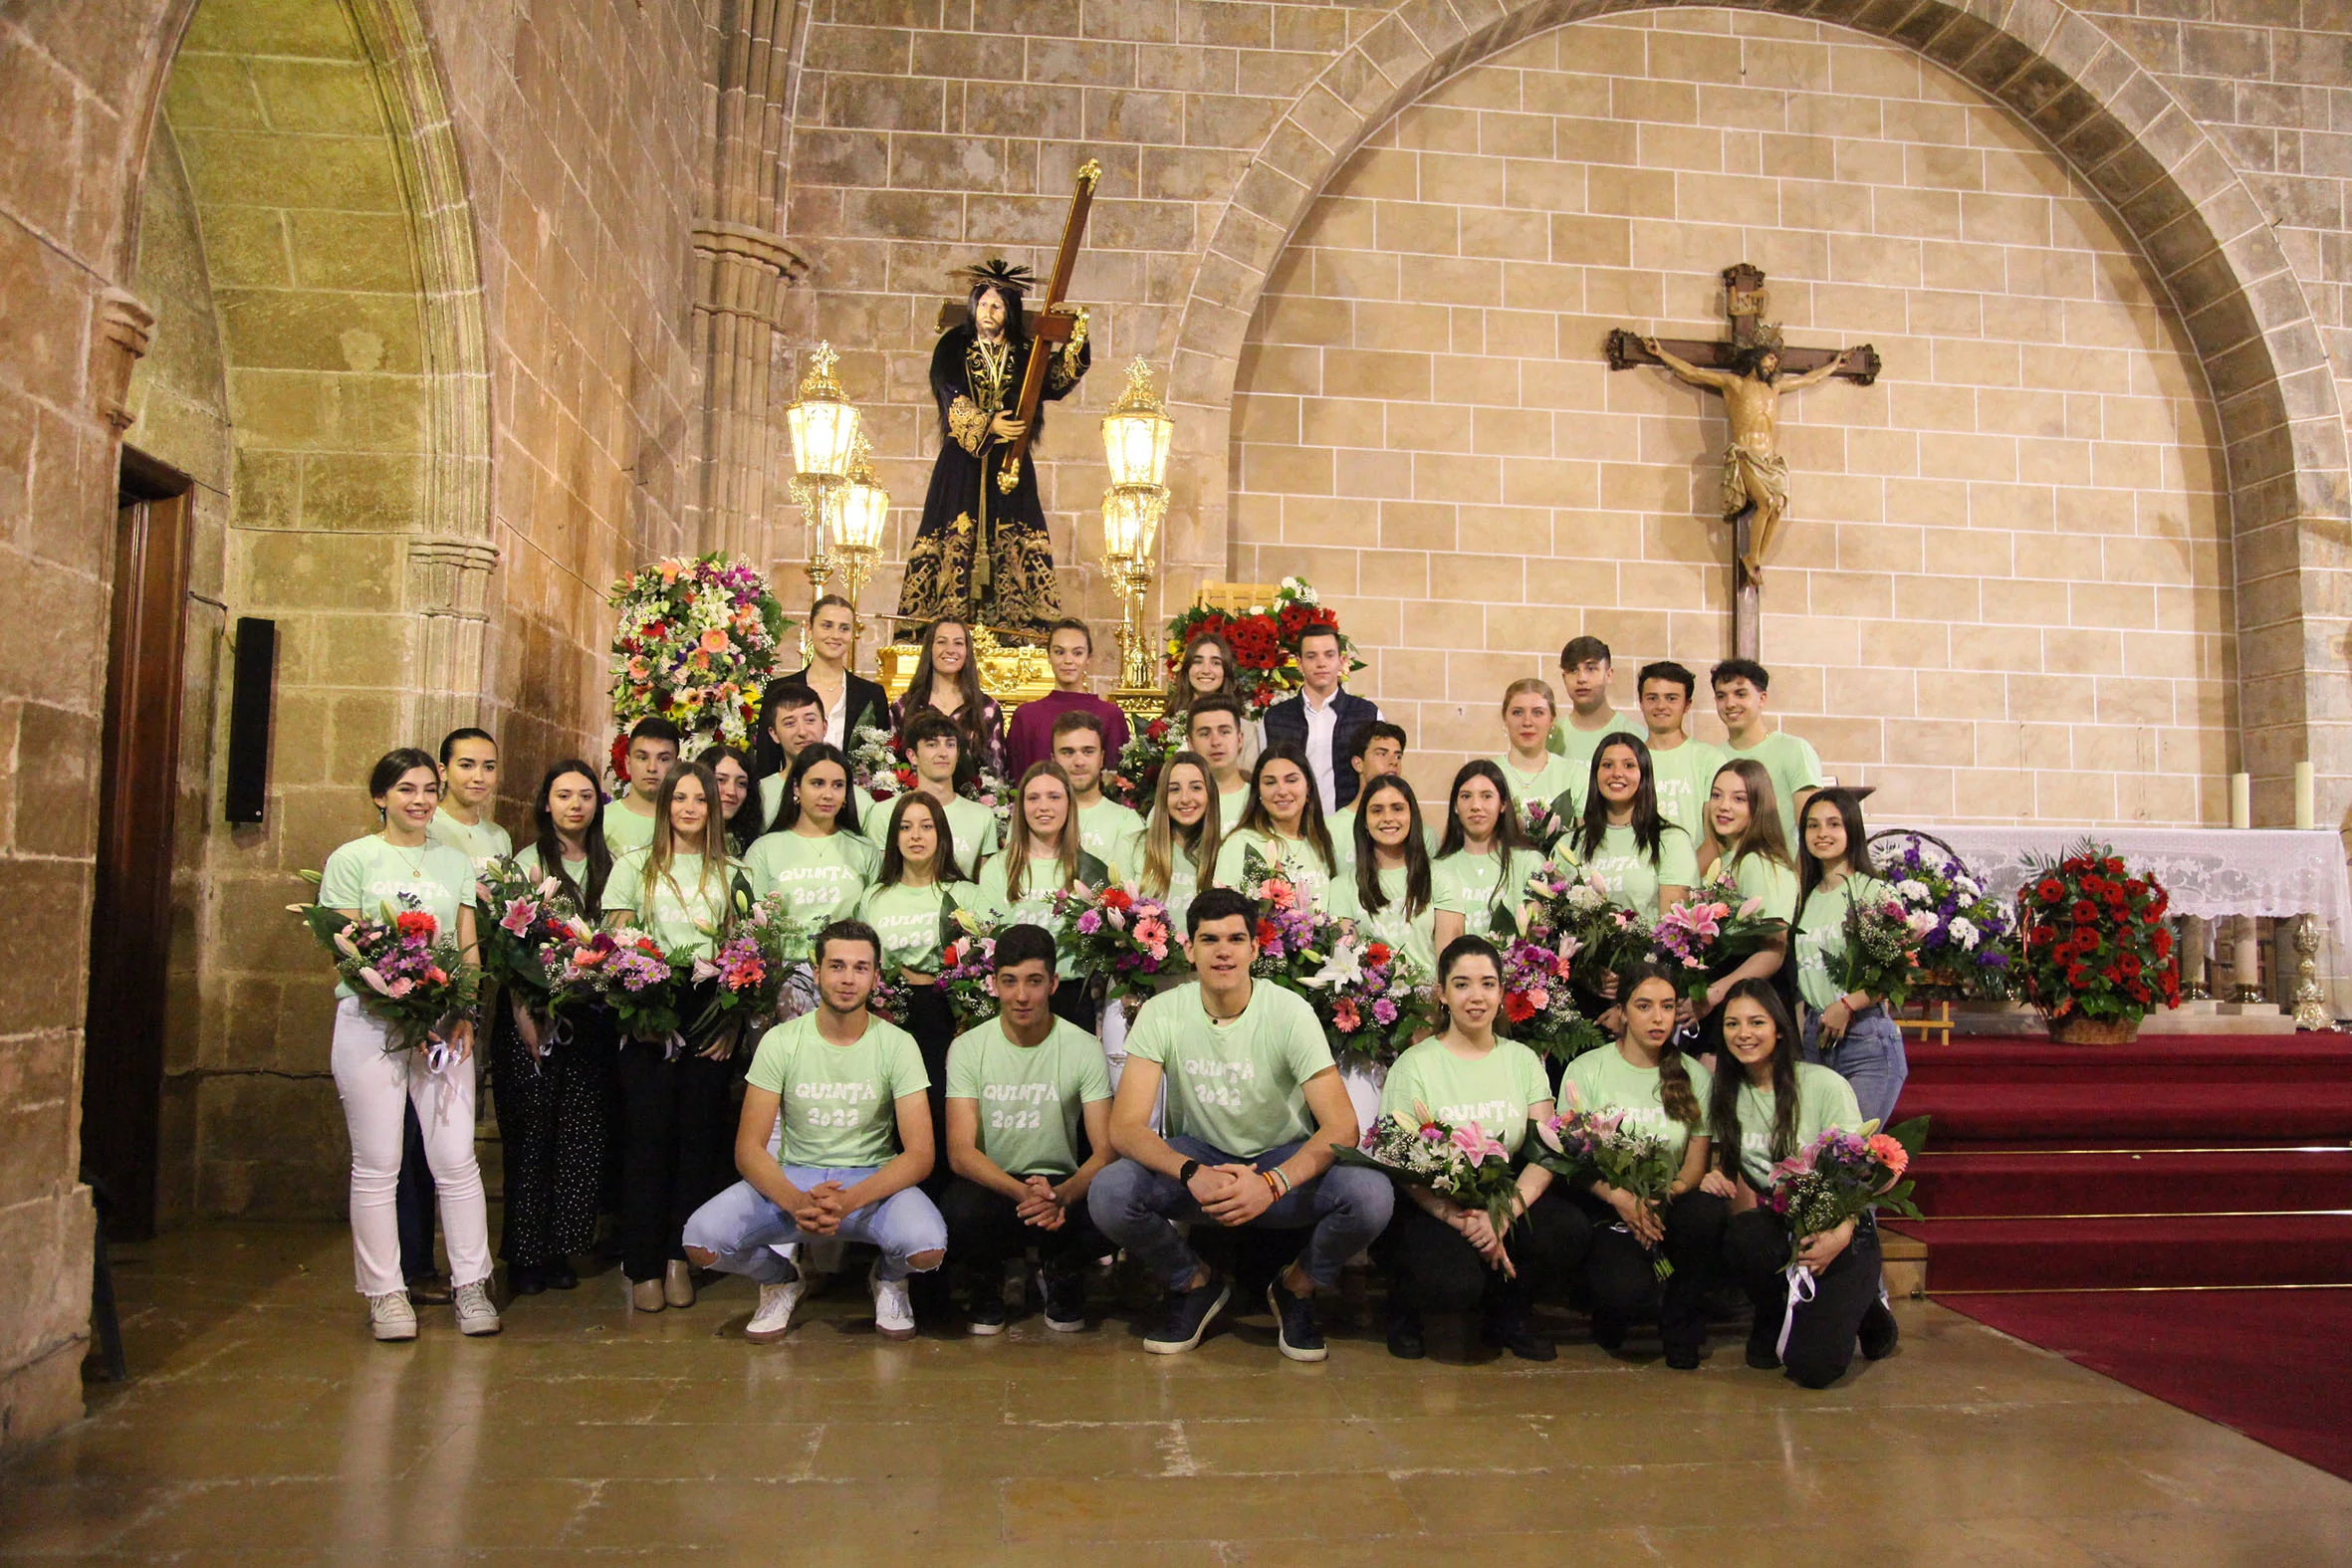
(449, 592)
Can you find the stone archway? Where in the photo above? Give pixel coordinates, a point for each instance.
(2123, 134)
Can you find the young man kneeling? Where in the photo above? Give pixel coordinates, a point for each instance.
(844, 1080)
(1020, 1089)
(1255, 1109)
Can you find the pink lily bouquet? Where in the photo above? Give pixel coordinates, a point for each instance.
(1607, 933)
(1538, 1001)
(1464, 1165)
(1583, 1145)
(1843, 1174)
(1544, 822)
(629, 972)
(1713, 932)
(406, 972)
(526, 925)
(967, 972)
(749, 971)
(1370, 998)
(1117, 937)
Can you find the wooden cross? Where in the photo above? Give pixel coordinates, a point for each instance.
(1745, 303)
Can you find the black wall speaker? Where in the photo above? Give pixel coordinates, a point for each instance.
(252, 687)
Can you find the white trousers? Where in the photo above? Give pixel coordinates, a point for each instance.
(376, 1086)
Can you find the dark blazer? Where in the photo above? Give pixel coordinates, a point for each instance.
(870, 706)
(1286, 725)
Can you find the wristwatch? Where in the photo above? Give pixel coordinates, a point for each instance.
(1184, 1173)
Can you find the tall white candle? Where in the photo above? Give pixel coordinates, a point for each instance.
(2242, 801)
(2306, 796)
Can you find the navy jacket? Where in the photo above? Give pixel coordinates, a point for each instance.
(1286, 725)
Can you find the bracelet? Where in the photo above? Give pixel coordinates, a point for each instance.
(1279, 1175)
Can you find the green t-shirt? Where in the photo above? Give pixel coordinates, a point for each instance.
(1821, 937)
(1603, 1081)
(1823, 1100)
(684, 910)
(839, 1102)
(1415, 938)
(1113, 836)
(1774, 883)
(908, 920)
(1032, 1097)
(485, 840)
(1497, 1090)
(369, 875)
(526, 862)
(974, 827)
(1578, 745)
(1035, 906)
(1794, 765)
(1478, 887)
(1684, 777)
(1239, 1087)
(820, 878)
(1231, 803)
(1294, 858)
(1557, 776)
(1183, 882)
(1633, 877)
(624, 829)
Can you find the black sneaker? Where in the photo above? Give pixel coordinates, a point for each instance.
(986, 1315)
(1880, 1331)
(1763, 1344)
(1508, 1330)
(1683, 1358)
(525, 1279)
(1293, 1316)
(1065, 1301)
(1404, 1334)
(1608, 1333)
(1185, 1316)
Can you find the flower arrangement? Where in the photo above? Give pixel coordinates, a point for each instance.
(404, 971)
(1711, 932)
(1133, 779)
(1841, 1175)
(1584, 1146)
(1114, 936)
(2094, 942)
(1606, 935)
(1464, 1165)
(629, 971)
(880, 764)
(967, 973)
(526, 924)
(1545, 826)
(1538, 1001)
(1882, 949)
(1264, 641)
(1969, 951)
(696, 640)
(1370, 998)
(750, 970)
(1295, 940)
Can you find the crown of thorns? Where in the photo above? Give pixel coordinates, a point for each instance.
(998, 272)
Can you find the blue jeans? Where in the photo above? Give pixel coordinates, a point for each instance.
(745, 1231)
(1869, 1056)
(1344, 1209)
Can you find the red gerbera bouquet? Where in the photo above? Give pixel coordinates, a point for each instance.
(403, 968)
(1119, 938)
(2094, 938)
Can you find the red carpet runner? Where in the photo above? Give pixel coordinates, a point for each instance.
(2077, 1196)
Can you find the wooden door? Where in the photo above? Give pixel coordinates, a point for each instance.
(138, 786)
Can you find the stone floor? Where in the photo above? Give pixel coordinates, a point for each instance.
(264, 1429)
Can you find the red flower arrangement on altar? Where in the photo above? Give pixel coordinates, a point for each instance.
(696, 640)
(2095, 943)
(1264, 640)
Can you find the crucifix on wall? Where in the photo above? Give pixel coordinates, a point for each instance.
(1750, 372)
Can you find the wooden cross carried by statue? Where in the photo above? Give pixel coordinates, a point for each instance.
(1750, 372)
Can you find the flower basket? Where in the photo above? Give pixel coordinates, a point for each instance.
(2096, 953)
(2075, 1029)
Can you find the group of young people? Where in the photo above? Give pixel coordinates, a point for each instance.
(1224, 1110)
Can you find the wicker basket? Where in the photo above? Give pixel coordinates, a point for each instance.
(2080, 1030)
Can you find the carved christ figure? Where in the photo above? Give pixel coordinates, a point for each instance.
(1755, 474)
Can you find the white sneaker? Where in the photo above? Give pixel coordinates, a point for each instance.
(475, 1314)
(774, 1319)
(894, 1313)
(391, 1317)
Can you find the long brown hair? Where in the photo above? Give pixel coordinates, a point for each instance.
(1017, 840)
(918, 688)
(662, 854)
(586, 894)
(1675, 1093)
(1809, 870)
(1723, 1100)
(1764, 836)
(1181, 696)
(943, 860)
(1164, 839)
(1311, 826)
(1367, 854)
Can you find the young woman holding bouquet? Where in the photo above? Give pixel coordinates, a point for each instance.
(551, 1093)
(1284, 822)
(673, 1103)
(1441, 1258)
(1847, 1031)
(1386, 889)
(946, 680)
(1763, 1106)
(1180, 841)
(1479, 878)
(1744, 844)
(815, 855)
(377, 1085)
(1533, 773)
(911, 907)
(739, 806)
(1647, 861)
(1662, 1094)
(1042, 857)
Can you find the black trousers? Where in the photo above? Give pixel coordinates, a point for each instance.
(1821, 1339)
(1434, 1271)
(414, 1201)
(1621, 1279)
(933, 1025)
(551, 1126)
(985, 1229)
(673, 1116)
